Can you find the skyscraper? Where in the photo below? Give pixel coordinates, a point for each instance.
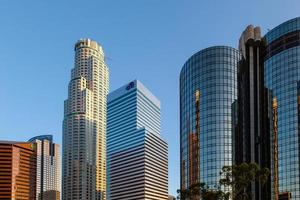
(137, 157)
(48, 177)
(208, 87)
(84, 125)
(282, 78)
(17, 170)
(251, 131)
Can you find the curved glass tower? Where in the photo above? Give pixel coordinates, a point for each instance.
(282, 76)
(208, 88)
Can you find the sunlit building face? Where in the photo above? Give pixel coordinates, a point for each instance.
(84, 125)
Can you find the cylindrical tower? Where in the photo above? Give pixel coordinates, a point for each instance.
(84, 126)
(282, 76)
(208, 88)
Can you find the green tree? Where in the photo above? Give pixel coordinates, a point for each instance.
(201, 189)
(239, 178)
(214, 194)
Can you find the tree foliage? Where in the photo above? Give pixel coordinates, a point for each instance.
(197, 190)
(237, 177)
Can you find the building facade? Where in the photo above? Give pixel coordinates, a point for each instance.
(208, 88)
(17, 170)
(281, 77)
(84, 125)
(251, 128)
(137, 157)
(48, 176)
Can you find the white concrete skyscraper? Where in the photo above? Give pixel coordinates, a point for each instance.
(84, 125)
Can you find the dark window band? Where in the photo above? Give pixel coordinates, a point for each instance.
(282, 43)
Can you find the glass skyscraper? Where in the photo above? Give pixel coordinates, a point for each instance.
(48, 167)
(84, 125)
(251, 136)
(282, 76)
(208, 88)
(137, 156)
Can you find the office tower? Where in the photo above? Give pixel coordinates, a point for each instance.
(281, 77)
(208, 87)
(137, 158)
(17, 170)
(251, 131)
(48, 177)
(84, 125)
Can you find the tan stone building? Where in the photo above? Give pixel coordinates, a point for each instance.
(84, 125)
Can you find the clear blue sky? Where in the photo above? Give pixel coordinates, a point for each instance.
(145, 39)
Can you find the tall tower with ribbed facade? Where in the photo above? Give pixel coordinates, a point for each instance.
(84, 125)
(251, 138)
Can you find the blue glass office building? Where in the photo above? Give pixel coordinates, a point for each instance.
(208, 88)
(137, 159)
(282, 75)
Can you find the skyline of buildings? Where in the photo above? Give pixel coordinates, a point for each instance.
(137, 156)
(30, 170)
(84, 125)
(264, 107)
(235, 106)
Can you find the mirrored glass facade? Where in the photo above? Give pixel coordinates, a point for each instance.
(251, 123)
(282, 75)
(208, 88)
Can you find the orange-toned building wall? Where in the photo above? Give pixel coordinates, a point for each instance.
(17, 170)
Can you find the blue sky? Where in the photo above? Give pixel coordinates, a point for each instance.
(145, 39)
